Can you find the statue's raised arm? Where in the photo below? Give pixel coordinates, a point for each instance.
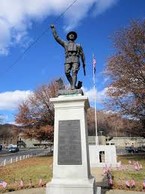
(57, 38)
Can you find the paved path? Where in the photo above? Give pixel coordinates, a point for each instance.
(43, 191)
(123, 192)
(100, 180)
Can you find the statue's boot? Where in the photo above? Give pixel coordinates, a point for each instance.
(74, 81)
(69, 78)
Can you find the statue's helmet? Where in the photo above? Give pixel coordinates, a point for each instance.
(72, 32)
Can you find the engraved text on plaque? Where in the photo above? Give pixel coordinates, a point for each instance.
(69, 143)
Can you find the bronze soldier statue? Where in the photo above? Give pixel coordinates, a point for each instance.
(73, 53)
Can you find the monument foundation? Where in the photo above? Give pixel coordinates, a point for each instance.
(71, 167)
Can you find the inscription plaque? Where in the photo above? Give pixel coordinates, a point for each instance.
(69, 143)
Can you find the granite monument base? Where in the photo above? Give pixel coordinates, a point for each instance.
(71, 187)
(71, 167)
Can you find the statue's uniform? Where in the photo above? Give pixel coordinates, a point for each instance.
(73, 52)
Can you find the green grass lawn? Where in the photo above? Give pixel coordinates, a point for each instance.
(30, 171)
(34, 169)
(128, 172)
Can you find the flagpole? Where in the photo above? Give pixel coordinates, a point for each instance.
(95, 101)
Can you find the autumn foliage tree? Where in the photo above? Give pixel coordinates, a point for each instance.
(103, 122)
(126, 70)
(36, 114)
(111, 124)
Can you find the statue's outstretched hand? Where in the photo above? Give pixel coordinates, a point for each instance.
(52, 26)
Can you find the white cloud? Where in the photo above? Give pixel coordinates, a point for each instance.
(17, 16)
(93, 94)
(11, 99)
(103, 5)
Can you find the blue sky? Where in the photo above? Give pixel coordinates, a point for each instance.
(23, 21)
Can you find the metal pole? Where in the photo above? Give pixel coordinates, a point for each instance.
(97, 142)
(95, 102)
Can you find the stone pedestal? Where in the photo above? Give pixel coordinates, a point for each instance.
(71, 167)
